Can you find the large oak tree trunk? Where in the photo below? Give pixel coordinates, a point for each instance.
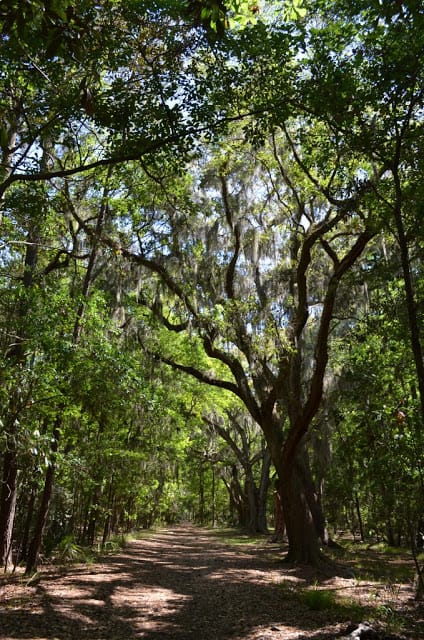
(297, 521)
(300, 527)
(313, 496)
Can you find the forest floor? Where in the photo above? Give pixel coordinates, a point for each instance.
(187, 583)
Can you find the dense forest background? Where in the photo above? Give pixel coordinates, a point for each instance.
(211, 270)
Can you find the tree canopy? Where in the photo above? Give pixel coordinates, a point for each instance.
(210, 264)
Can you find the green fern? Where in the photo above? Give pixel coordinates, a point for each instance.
(69, 551)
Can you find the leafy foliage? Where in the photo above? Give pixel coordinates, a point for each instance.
(222, 189)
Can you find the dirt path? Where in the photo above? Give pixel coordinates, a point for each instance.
(178, 584)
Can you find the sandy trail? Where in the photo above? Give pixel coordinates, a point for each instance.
(179, 584)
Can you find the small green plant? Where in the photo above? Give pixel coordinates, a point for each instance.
(69, 551)
(115, 543)
(329, 600)
(111, 546)
(393, 620)
(286, 585)
(319, 599)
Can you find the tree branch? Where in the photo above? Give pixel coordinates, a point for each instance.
(202, 376)
(301, 426)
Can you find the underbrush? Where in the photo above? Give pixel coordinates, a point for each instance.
(377, 561)
(376, 594)
(336, 607)
(68, 551)
(341, 608)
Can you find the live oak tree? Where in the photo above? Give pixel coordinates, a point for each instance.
(238, 261)
(361, 75)
(376, 80)
(243, 245)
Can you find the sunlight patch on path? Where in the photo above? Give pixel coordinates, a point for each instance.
(149, 611)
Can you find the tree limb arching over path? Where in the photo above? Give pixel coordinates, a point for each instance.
(181, 583)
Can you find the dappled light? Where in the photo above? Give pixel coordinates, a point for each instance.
(184, 583)
(211, 319)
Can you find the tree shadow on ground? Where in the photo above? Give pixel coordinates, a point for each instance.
(179, 584)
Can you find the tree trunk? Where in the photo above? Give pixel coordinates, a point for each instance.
(110, 511)
(301, 532)
(358, 514)
(238, 499)
(40, 525)
(236, 496)
(8, 506)
(279, 522)
(300, 528)
(10, 124)
(90, 536)
(27, 525)
(106, 529)
(313, 496)
(410, 296)
(251, 495)
(262, 525)
(213, 496)
(35, 546)
(202, 494)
